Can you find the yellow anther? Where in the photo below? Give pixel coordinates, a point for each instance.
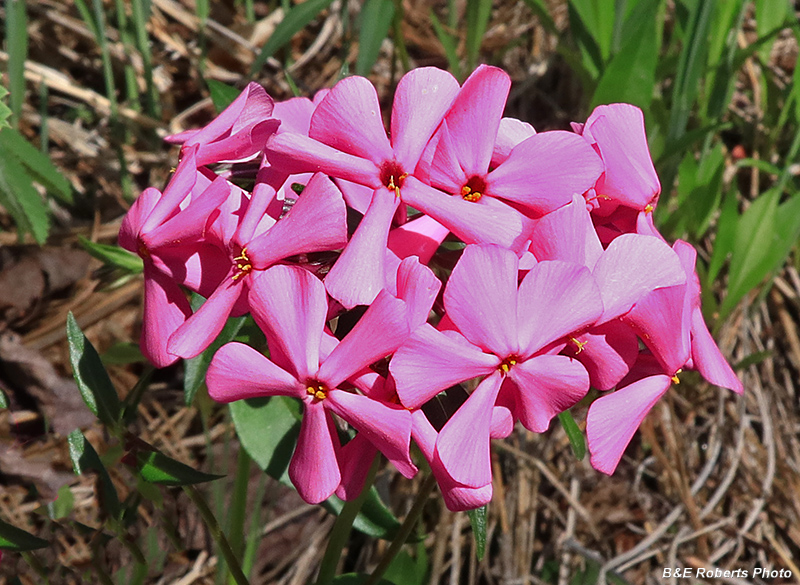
(469, 195)
(580, 344)
(648, 208)
(317, 390)
(505, 366)
(675, 378)
(243, 265)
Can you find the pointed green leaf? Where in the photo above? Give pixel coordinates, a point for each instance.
(5, 111)
(222, 94)
(155, 467)
(85, 458)
(113, 255)
(16, 45)
(63, 504)
(37, 164)
(20, 198)
(295, 20)
(3, 400)
(574, 434)
(16, 539)
(726, 234)
(409, 570)
(477, 518)
(93, 382)
(449, 43)
(195, 368)
(770, 15)
(478, 13)
(375, 20)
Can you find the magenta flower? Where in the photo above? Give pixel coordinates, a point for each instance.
(290, 305)
(347, 140)
(508, 334)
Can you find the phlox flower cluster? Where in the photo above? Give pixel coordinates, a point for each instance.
(310, 216)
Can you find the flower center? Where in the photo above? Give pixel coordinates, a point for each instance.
(675, 378)
(243, 265)
(474, 189)
(507, 364)
(392, 176)
(317, 390)
(579, 344)
(143, 252)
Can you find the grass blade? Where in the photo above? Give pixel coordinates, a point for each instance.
(37, 164)
(478, 13)
(17, 47)
(449, 43)
(21, 199)
(374, 23)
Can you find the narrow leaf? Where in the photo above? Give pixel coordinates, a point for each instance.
(574, 434)
(295, 20)
(195, 368)
(5, 111)
(20, 198)
(155, 467)
(16, 539)
(478, 13)
(449, 43)
(222, 94)
(113, 255)
(16, 29)
(375, 21)
(93, 382)
(85, 458)
(725, 236)
(477, 519)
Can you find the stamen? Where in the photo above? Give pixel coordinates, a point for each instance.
(243, 265)
(474, 189)
(317, 390)
(580, 344)
(648, 208)
(143, 251)
(507, 363)
(675, 378)
(392, 176)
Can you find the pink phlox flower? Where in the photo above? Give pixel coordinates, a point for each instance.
(238, 133)
(617, 133)
(290, 305)
(315, 223)
(510, 133)
(630, 267)
(347, 140)
(671, 324)
(165, 230)
(478, 203)
(505, 332)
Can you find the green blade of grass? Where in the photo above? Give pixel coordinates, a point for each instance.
(296, 19)
(448, 44)
(374, 23)
(17, 48)
(20, 198)
(478, 13)
(37, 165)
(140, 14)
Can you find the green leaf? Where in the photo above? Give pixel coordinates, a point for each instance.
(449, 43)
(122, 353)
(478, 13)
(155, 467)
(295, 20)
(5, 111)
(16, 539)
(268, 429)
(725, 236)
(375, 20)
(20, 198)
(477, 518)
(222, 94)
(85, 458)
(358, 579)
(63, 504)
(574, 434)
(408, 570)
(195, 368)
(37, 164)
(3, 400)
(755, 236)
(93, 382)
(16, 29)
(540, 10)
(770, 15)
(599, 17)
(113, 255)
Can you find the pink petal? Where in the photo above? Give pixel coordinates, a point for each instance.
(567, 234)
(389, 429)
(545, 171)
(358, 275)
(314, 469)
(510, 133)
(631, 267)
(316, 222)
(295, 153)
(613, 418)
(548, 385)
(165, 309)
(239, 146)
(422, 98)
(419, 237)
(708, 359)
(248, 109)
(418, 286)
(289, 304)
(349, 120)
(487, 221)
(607, 352)
(294, 114)
(356, 196)
(135, 218)
(475, 117)
(463, 443)
(555, 299)
(239, 372)
(630, 178)
(430, 362)
(379, 332)
(355, 460)
(179, 187)
(444, 171)
(197, 333)
(481, 298)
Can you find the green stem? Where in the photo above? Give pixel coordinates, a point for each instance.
(404, 532)
(239, 503)
(341, 529)
(217, 534)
